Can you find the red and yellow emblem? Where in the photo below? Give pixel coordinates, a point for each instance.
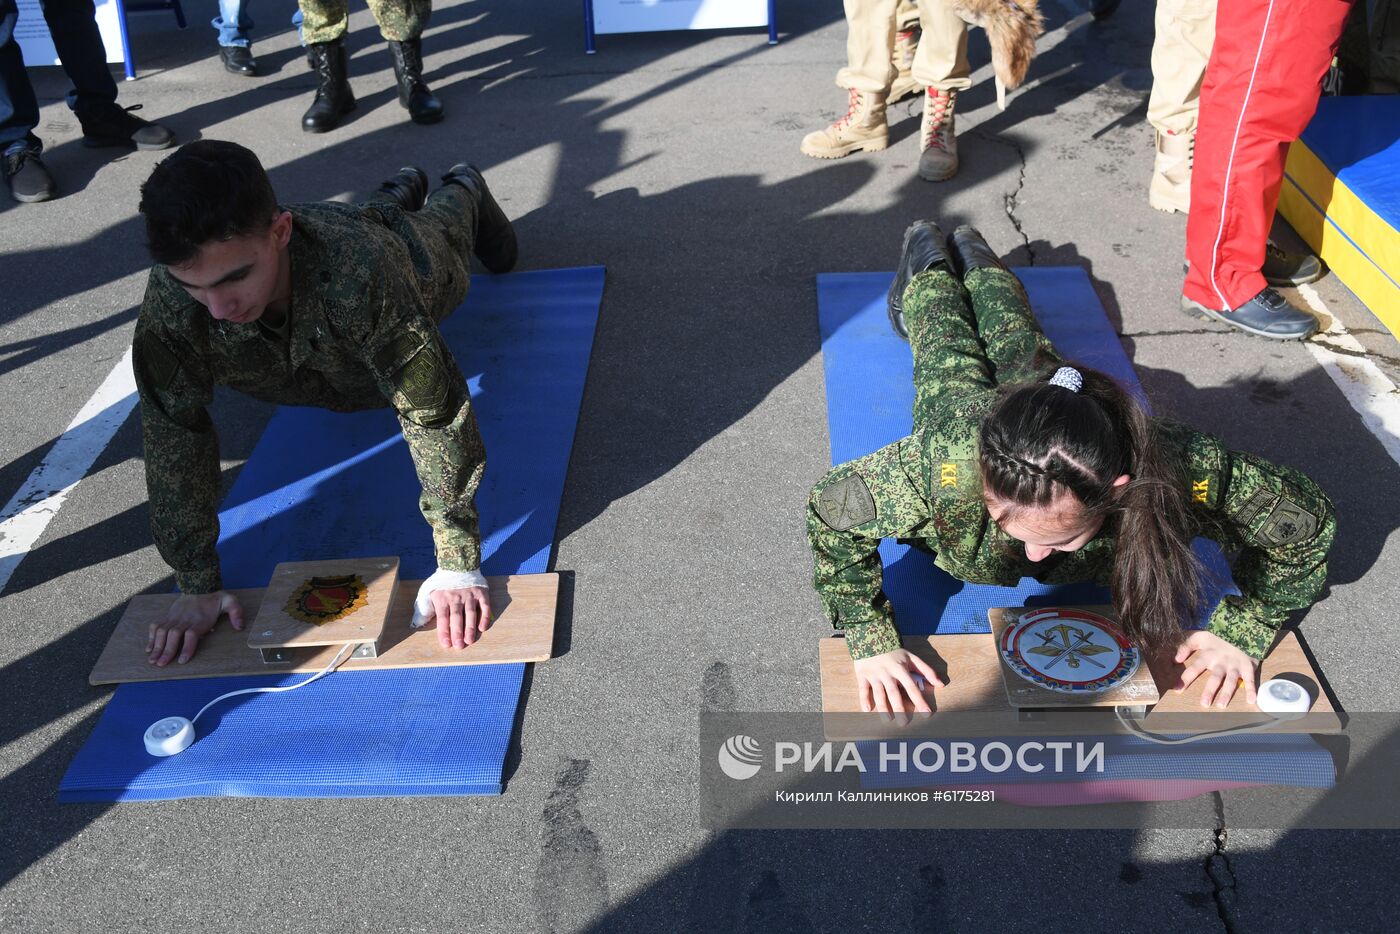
(327, 599)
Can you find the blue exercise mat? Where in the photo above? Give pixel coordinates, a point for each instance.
(321, 484)
(870, 403)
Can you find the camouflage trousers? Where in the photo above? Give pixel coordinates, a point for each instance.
(399, 20)
(994, 303)
(440, 237)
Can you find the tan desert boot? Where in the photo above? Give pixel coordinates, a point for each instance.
(906, 41)
(938, 160)
(1171, 172)
(863, 127)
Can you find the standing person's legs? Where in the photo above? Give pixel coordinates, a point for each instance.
(870, 28)
(1260, 90)
(867, 76)
(323, 24)
(19, 115)
(73, 25)
(93, 98)
(233, 25)
(19, 109)
(401, 23)
(906, 42)
(941, 66)
(323, 21)
(1185, 33)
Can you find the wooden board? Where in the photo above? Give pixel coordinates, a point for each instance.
(522, 605)
(275, 626)
(1136, 691)
(971, 668)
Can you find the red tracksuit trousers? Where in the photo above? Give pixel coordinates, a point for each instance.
(1260, 90)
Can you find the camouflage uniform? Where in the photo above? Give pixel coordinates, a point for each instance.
(369, 283)
(926, 488)
(399, 20)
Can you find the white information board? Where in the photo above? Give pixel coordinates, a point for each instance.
(614, 16)
(32, 33)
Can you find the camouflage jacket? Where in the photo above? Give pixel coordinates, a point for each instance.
(361, 333)
(926, 488)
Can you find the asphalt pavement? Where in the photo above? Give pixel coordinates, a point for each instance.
(672, 159)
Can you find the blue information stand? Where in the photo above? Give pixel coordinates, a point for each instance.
(589, 27)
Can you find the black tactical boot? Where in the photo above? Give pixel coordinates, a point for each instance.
(409, 188)
(423, 106)
(923, 249)
(970, 251)
(495, 243)
(334, 99)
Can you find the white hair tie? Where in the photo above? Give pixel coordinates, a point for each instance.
(1067, 377)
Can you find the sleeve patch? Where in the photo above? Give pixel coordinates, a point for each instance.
(420, 379)
(846, 503)
(159, 362)
(1288, 523)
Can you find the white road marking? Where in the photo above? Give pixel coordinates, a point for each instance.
(1370, 392)
(33, 507)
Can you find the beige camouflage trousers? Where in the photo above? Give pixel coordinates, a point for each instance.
(399, 20)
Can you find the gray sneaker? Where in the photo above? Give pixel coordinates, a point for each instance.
(1267, 314)
(29, 180)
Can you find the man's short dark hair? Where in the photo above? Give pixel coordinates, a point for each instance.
(208, 190)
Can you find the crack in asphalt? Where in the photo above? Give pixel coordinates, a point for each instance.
(1011, 199)
(1218, 870)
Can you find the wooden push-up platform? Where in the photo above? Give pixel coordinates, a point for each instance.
(522, 630)
(971, 666)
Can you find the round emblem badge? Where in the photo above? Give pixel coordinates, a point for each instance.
(1069, 651)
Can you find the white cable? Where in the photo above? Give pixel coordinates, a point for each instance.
(172, 735)
(1137, 730)
(339, 656)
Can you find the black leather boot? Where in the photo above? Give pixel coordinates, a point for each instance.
(495, 243)
(409, 188)
(334, 99)
(971, 251)
(923, 249)
(423, 106)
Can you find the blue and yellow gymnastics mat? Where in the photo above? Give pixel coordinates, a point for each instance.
(321, 484)
(1341, 192)
(870, 402)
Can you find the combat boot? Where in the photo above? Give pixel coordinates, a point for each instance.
(863, 127)
(938, 156)
(1170, 190)
(971, 251)
(409, 188)
(906, 42)
(494, 243)
(423, 106)
(924, 248)
(334, 99)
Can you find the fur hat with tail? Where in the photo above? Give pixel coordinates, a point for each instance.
(1011, 26)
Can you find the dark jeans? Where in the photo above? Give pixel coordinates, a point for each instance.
(74, 28)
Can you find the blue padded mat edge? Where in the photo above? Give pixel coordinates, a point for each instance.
(1358, 139)
(524, 342)
(870, 401)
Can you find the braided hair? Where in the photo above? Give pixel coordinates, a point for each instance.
(1042, 439)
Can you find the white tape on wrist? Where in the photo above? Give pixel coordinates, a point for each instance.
(441, 580)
